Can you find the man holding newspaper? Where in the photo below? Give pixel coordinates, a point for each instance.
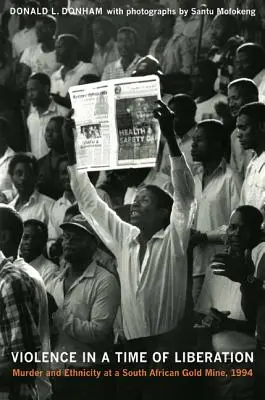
(151, 250)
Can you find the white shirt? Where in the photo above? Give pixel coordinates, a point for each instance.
(46, 268)
(61, 86)
(253, 189)
(43, 384)
(115, 70)
(152, 301)
(206, 109)
(5, 179)
(38, 207)
(155, 178)
(104, 56)
(22, 40)
(259, 80)
(38, 61)
(216, 201)
(88, 310)
(224, 295)
(37, 123)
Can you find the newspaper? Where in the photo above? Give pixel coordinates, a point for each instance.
(115, 125)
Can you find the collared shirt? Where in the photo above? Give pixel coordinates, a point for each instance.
(185, 144)
(239, 158)
(176, 56)
(115, 70)
(72, 77)
(216, 201)
(22, 40)
(38, 207)
(87, 310)
(43, 383)
(155, 178)
(206, 109)
(37, 123)
(253, 189)
(5, 179)
(153, 295)
(225, 295)
(19, 323)
(259, 80)
(38, 61)
(46, 268)
(104, 56)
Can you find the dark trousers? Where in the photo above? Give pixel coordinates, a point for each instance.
(158, 387)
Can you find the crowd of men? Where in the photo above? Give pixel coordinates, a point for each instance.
(164, 259)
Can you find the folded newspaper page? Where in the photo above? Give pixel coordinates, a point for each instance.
(115, 125)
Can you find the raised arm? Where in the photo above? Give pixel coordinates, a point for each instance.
(183, 184)
(110, 228)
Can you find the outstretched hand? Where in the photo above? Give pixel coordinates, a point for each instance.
(166, 118)
(166, 121)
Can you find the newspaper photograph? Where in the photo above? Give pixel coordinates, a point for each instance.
(115, 125)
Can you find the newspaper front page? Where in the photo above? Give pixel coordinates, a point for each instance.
(115, 125)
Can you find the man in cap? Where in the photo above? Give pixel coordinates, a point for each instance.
(88, 297)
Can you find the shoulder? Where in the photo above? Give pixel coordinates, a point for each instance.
(45, 199)
(105, 278)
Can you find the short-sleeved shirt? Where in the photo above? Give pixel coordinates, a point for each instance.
(61, 86)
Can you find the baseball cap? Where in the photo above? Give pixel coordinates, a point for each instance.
(80, 222)
(147, 65)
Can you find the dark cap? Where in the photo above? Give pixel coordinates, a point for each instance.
(80, 222)
(147, 65)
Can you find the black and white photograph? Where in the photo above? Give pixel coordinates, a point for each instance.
(141, 275)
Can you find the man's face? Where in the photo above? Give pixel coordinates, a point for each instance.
(235, 100)
(53, 136)
(144, 210)
(126, 44)
(36, 92)
(76, 244)
(200, 147)
(63, 50)
(101, 36)
(246, 132)
(218, 34)
(64, 176)
(238, 233)
(24, 178)
(32, 243)
(43, 31)
(243, 66)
